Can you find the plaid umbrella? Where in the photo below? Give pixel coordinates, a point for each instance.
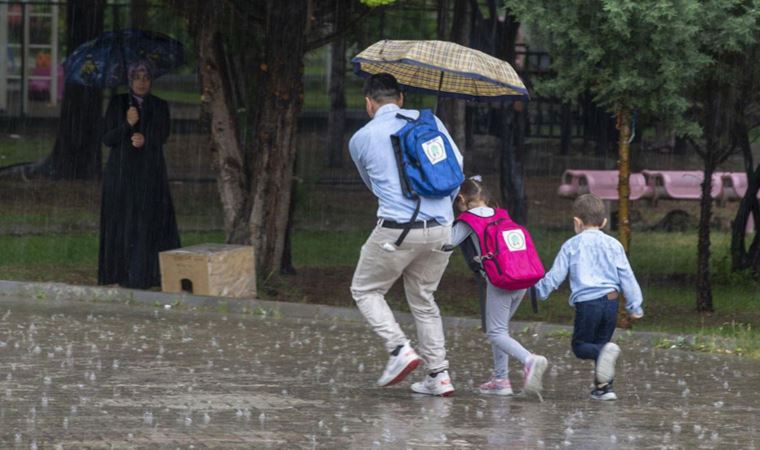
(442, 68)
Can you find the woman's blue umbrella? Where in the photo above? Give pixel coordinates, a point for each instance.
(103, 62)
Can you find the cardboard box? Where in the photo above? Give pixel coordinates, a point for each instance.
(209, 269)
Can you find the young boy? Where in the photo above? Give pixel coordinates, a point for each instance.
(599, 271)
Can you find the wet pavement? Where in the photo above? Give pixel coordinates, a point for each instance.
(94, 375)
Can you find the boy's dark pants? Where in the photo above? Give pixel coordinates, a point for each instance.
(595, 322)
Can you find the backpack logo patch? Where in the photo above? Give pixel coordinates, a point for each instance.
(434, 150)
(515, 240)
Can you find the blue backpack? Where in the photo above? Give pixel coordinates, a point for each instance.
(426, 161)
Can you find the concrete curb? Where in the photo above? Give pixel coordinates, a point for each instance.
(61, 292)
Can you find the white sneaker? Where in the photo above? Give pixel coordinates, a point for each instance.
(439, 385)
(399, 366)
(605, 363)
(534, 373)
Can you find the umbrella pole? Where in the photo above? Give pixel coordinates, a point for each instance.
(438, 95)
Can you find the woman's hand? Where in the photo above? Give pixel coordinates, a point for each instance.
(132, 116)
(138, 140)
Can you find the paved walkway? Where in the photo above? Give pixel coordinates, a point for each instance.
(86, 374)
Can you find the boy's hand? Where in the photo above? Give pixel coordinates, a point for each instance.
(635, 316)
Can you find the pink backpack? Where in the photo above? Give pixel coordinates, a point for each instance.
(507, 254)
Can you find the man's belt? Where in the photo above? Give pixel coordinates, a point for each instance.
(419, 224)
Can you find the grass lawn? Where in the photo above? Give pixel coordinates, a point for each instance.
(20, 149)
(48, 232)
(663, 263)
(325, 260)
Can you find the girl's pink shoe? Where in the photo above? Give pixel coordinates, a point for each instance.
(496, 386)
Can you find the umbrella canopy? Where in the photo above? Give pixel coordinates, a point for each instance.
(103, 62)
(443, 68)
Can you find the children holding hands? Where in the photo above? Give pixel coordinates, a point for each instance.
(596, 264)
(599, 271)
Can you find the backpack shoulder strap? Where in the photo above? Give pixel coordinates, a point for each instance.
(427, 113)
(501, 213)
(467, 217)
(475, 222)
(411, 119)
(407, 118)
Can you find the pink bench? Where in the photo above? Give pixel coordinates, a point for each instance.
(681, 185)
(601, 183)
(734, 185)
(654, 185)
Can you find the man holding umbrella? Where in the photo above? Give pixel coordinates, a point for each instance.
(418, 259)
(444, 69)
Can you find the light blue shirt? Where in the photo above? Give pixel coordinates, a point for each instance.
(372, 152)
(597, 265)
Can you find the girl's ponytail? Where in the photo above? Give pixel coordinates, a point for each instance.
(473, 190)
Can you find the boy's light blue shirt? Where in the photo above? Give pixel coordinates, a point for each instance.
(372, 152)
(597, 265)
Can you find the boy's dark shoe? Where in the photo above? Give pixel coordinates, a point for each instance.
(604, 392)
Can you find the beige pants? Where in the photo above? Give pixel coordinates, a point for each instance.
(421, 263)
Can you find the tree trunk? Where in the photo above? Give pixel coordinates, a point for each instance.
(442, 29)
(451, 111)
(444, 106)
(624, 171)
(602, 132)
(719, 121)
(511, 166)
(512, 173)
(280, 100)
(704, 289)
(624, 190)
(286, 266)
(566, 129)
(76, 153)
(139, 14)
(741, 259)
(232, 172)
(336, 119)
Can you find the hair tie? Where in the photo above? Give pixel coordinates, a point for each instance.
(477, 178)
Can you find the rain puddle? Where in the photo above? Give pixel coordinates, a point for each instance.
(76, 375)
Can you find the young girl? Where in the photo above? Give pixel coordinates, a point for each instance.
(501, 304)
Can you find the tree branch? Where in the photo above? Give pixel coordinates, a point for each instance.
(697, 148)
(251, 17)
(319, 42)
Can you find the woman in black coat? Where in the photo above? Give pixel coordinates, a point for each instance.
(137, 215)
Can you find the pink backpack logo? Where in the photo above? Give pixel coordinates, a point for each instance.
(507, 254)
